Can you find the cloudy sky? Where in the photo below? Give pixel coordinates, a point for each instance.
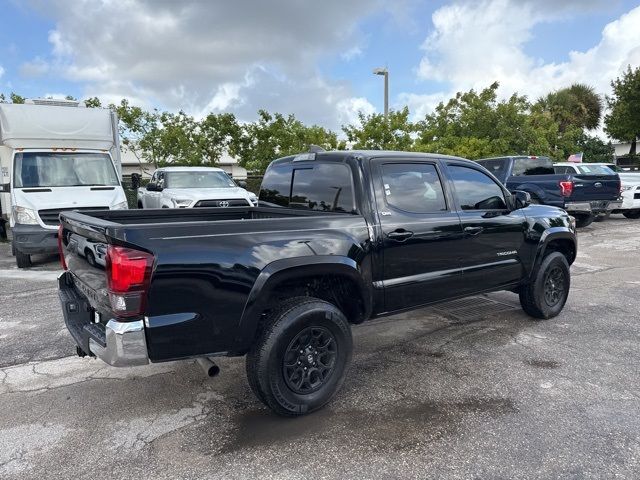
(313, 59)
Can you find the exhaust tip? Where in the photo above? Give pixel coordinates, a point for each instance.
(210, 368)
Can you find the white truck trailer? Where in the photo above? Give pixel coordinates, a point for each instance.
(55, 156)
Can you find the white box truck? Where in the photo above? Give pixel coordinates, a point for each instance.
(55, 156)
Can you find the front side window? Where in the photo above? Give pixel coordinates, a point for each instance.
(413, 187)
(52, 169)
(476, 190)
(197, 179)
(532, 166)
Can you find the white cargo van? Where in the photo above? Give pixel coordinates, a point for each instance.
(55, 156)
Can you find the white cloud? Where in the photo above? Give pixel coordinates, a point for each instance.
(348, 109)
(199, 55)
(34, 68)
(1, 71)
(474, 44)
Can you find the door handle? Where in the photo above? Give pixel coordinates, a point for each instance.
(399, 235)
(473, 230)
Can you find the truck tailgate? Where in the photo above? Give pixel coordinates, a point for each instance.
(596, 187)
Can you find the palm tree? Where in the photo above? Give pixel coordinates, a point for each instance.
(578, 105)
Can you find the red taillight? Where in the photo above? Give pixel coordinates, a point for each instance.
(128, 278)
(63, 262)
(566, 188)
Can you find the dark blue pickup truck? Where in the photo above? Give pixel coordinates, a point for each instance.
(583, 196)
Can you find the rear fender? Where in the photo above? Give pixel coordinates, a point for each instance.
(289, 269)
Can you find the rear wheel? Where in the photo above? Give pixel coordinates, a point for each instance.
(299, 359)
(545, 294)
(634, 214)
(584, 220)
(91, 258)
(140, 205)
(23, 260)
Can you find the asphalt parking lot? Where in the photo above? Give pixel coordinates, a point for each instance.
(472, 389)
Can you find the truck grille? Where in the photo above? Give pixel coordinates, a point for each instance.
(236, 202)
(50, 216)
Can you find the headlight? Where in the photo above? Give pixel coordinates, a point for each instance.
(181, 202)
(120, 206)
(253, 198)
(627, 187)
(25, 216)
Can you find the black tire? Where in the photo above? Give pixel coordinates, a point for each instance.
(545, 295)
(535, 200)
(584, 220)
(23, 260)
(140, 205)
(91, 258)
(275, 366)
(602, 217)
(633, 214)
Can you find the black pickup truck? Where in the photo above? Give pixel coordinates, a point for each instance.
(338, 238)
(584, 196)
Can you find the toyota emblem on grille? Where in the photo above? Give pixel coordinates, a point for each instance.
(223, 203)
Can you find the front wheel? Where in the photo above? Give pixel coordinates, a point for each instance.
(545, 294)
(300, 357)
(584, 220)
(23, 260)
(633, 214)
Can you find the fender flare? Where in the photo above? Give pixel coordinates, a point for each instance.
(549, 235)
(290, 268)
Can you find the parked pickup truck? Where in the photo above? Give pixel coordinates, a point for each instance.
(187, 187)
(583, 196)
(338, 238)
(629, 183)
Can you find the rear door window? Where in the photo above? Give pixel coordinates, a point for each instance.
(413, 187)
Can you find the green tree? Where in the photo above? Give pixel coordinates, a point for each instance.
(140, 131)
(217, 134)
(595, 149)
(476, 124)
(375, 132)
(276, 135)
(15, 98)
(623, 120)
(577, 106)
(93, 102)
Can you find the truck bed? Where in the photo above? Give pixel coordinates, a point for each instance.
(186, 215)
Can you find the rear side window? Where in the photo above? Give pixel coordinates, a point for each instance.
(324, 187)
(476, 190)
(562, 170)
(276, 186)
(413, 187)
(497, 167)
(532, 166)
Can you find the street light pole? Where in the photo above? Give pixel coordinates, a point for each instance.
(385, 73)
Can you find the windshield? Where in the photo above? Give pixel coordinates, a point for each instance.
(595, 170)
(201, 179)
(52, 169)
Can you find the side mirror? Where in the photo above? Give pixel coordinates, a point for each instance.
(152, 187)
(5, 187)
(242, 183)
(521, 199)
